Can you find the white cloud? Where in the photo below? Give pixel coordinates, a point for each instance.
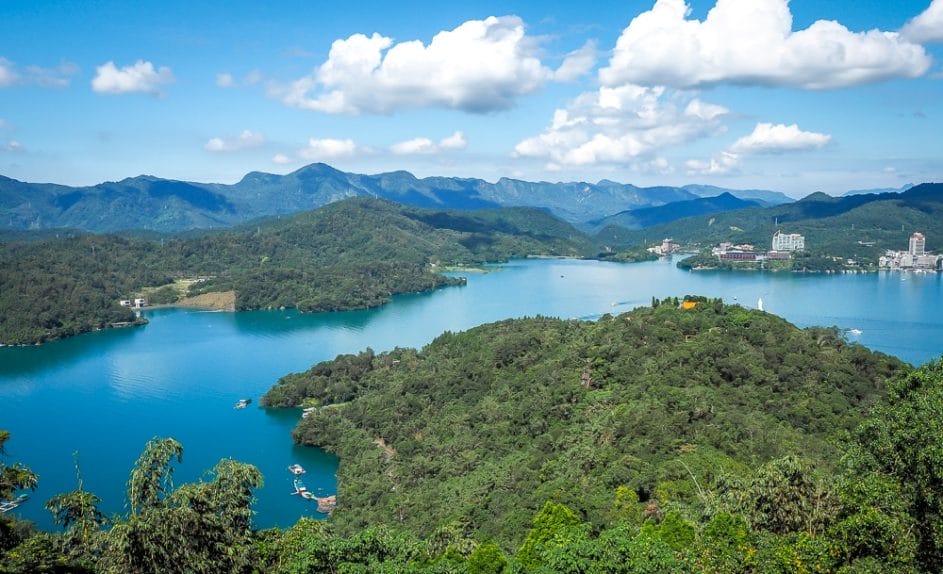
(417, 146)
(480, 66)
(227, 80)
(577, 63)
(455, 141)
(58, 77)
(322, 149)
(724, 163)
(752, 42)
(140, 77)
(8, 75)
(769, 138)
(4, 124)
(414, 146)
(622, 125)
(12, 146)
(766, 138)
(281, 159)
(926, 27)
(247, 139)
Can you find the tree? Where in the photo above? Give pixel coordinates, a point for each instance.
(152, 476)
(901, 441)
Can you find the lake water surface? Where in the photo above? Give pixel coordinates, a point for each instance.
(101, 396)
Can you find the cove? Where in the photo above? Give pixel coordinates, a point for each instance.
(103, 395)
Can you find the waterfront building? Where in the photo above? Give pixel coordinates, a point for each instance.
(788, 241)
(918, 244)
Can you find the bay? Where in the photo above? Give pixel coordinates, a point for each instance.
(99, 397)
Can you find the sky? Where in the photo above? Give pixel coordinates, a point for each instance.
(797, 96)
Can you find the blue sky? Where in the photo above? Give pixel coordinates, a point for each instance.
(792, 96)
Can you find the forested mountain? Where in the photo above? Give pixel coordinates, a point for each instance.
(147, 202)
(682, 440)
(346, 255)
(483, 427)
(853, 226)
(650, 216)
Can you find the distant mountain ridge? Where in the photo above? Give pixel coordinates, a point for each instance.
(156, 204)
(649, 216)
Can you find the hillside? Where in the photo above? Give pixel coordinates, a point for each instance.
(483, 427)
(156, 204)
(855, 226)
(650, 216)
(347, 255)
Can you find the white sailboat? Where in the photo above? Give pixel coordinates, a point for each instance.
(759, 303)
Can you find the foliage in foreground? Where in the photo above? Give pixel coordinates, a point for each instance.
(869, 503)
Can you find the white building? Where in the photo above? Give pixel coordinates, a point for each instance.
(788, 242)
(918, 245)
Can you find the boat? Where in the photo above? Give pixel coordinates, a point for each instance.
(9, 505)
(854, 331)
(296, 469)
(242, 403)
(301, 490)
(759, 304)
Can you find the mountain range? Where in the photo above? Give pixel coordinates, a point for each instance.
(151, 203)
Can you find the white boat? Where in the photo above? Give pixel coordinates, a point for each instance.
(296, 469)
(9, 505)
(301, 490)
(242, 403)
(854, 331)
(759, 304)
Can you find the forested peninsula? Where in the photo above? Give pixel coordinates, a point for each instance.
(352, 254)
(691, 436)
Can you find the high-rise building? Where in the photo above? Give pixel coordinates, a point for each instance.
(788, 242)
(918, 245)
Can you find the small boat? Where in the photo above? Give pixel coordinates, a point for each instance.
(242, 403)
(11, 504)
(296, 469)
(854, 331)
(301, 490)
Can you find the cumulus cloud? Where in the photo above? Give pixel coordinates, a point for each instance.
(247, 139)
(577, 63)
(456, 141)
(752, 42)
(414, 146)
(766, 138)
(926, 27)
(417, 146)
(281, 159)
(225, 80)
(324, 149)
(769, 138)
(139, 77)
(480, 66)
(626, 124)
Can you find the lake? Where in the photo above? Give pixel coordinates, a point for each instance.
(99, 397)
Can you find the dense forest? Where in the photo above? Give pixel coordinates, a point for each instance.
(859, 227)
(348, 255)
(706, 438)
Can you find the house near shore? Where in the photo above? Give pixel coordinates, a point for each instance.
(138, 303)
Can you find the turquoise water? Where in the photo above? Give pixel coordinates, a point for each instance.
(103, 395)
